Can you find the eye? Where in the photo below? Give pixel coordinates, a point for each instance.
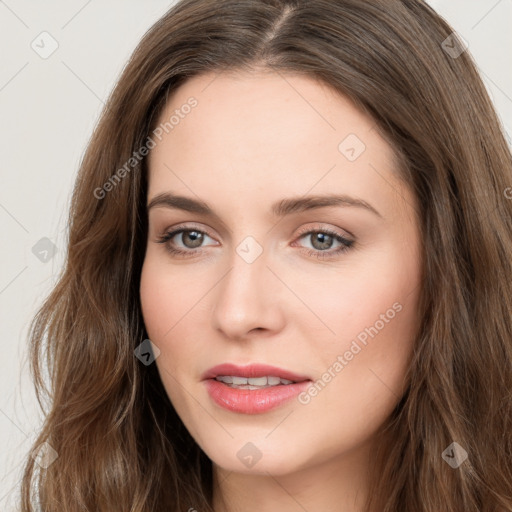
(188, 241)
(184, 242)
(323, 240)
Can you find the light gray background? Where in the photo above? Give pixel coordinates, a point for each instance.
(48, 108)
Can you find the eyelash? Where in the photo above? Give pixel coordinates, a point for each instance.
(316, 253)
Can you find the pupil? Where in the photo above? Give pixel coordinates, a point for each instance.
(324, 240)
(194, 236)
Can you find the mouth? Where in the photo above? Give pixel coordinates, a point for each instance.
(254, 388)
(255, 375)
(237, 382)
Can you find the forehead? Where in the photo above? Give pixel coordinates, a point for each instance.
(272, 133)
(264, 107)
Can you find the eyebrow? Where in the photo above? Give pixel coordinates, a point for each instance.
(279, 209)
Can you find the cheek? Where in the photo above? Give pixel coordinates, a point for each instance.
(154, 297)
(165, 298)
(162, 309)
(372, 311)
(174, 314)
(373, 297)
(374, 314)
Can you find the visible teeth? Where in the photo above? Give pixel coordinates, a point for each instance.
(252, 382)
(257, 381)
(226, 379)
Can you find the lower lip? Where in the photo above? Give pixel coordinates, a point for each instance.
(253, 401)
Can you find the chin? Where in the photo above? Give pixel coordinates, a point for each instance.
(257, 457)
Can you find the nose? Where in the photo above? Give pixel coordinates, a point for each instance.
(248, 298)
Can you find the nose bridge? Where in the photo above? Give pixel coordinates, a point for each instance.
(246, 296)
(242, 287)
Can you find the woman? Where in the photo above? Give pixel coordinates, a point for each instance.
(288, 273)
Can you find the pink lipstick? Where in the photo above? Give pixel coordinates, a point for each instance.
(252, 389)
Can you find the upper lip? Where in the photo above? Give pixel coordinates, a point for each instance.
(252, 370)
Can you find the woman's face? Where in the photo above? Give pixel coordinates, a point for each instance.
(298, 248)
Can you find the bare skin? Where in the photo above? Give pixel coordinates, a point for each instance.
(251, 141)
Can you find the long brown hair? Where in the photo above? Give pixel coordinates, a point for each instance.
(120, 444)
